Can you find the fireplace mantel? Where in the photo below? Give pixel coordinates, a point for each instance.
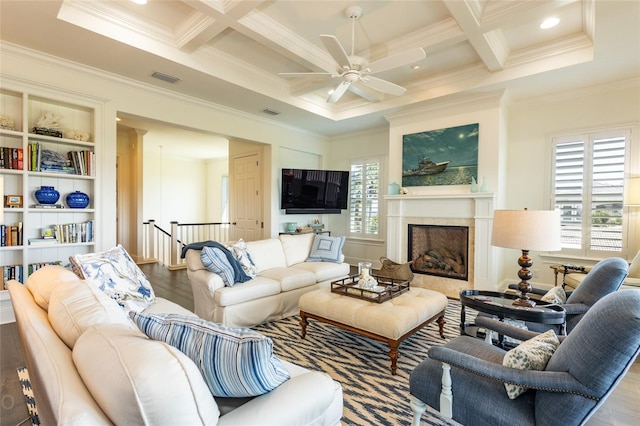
(472, 209)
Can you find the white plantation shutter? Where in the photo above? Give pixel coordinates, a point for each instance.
(588, 188)
(364, 198)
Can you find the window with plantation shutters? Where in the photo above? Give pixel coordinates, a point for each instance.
(364, 198)
(588, 189)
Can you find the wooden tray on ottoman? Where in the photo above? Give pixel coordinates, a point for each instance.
(386, 289)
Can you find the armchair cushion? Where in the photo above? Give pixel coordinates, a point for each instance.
(532, 354)
(235, 362)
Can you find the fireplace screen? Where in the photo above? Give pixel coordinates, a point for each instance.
(439, 250)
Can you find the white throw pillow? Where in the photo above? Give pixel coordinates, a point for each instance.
(239, 250)
(235, 362)
(533, 354)
(555, 295)
(296, 247)
(117, 276)
(139, 381)
(326, 249)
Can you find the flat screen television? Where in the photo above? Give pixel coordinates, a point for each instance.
(306, 191)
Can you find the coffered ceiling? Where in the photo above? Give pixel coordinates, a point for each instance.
(231, 52)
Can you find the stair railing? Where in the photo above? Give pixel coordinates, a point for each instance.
(166, 247)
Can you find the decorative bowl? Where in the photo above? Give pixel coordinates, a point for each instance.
(77, 200)
(47, 195)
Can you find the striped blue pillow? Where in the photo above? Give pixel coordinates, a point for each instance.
(216, 261)
(326, 249)
(235, 362)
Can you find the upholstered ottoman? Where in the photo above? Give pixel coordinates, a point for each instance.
(391, 321)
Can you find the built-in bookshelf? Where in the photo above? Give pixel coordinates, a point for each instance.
(47, 138)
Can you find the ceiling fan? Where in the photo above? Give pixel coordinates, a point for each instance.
(355, 71)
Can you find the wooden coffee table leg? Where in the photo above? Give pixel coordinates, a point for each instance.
(303, 323)
(441, 322)
(394, 355)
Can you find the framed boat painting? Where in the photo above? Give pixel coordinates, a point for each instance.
(440, 157)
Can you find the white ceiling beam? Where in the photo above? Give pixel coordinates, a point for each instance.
(490, 47)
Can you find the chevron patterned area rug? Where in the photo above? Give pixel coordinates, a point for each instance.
(372, 396)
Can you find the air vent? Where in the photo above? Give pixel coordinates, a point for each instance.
(270, 111)
(165, 77)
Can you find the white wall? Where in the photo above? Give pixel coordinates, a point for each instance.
(343, 150)
(216, 168)
(531, 123)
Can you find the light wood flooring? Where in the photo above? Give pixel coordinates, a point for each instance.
(622, 408)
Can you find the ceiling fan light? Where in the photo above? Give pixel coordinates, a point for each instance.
(549, 23)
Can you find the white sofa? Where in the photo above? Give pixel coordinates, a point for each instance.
(89, 364)
(284, 274)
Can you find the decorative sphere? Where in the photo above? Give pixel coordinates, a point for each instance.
(77, 200)
(47, 195)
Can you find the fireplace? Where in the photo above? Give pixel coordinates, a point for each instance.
(439, 250)
(471, 210)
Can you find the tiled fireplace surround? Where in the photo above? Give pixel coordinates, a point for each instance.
(474, 210)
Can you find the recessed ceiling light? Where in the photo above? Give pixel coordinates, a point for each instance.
(139, 1)
(415, 67)
(549, 23)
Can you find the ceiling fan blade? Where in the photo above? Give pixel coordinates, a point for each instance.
(338, 91)
(336, 50)
(365, 92)
(306, 74)
(397, 60)
(382, 85)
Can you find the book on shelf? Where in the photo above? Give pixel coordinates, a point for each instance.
(11, 158)
(11, 235)
(42, 241)
(47, 206)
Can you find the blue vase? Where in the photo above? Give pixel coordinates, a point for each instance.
(47, 195)
(77, 200)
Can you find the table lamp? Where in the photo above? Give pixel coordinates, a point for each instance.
(526, 230)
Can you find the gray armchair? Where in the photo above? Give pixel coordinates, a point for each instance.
(605, 277)
(583, 371)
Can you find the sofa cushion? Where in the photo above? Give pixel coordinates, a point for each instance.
(326, 249)
(119, 276)
(75, 306)
(296, 247)
(267, 254)
(533, 354)
(324, 270)
(42, 282)
(235, 362)
(257, 288)
(136, 380)
(290, 278)
(239, 250)
(216, 261)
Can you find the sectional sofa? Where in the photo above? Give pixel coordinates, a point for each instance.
(90, 364)
(287, 267)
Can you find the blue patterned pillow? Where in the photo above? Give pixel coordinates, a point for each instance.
(326, 249)
(239, 250)
(216, 261)
(117, 275)
(235, 362)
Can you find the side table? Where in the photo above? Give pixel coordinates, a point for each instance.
(501, 305)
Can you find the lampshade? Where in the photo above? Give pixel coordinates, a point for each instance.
(632, 192)
(526, 229)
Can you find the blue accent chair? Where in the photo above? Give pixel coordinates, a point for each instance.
(583, 371)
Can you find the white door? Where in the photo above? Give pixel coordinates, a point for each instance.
(245, 198)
